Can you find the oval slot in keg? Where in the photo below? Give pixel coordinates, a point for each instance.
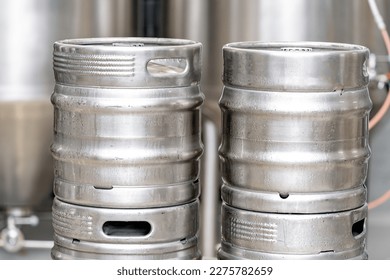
(103, 187)
(162, 67)
(358, 228)
(127, 228)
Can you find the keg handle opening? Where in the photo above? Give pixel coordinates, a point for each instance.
(358, 228)
(167, 67)
(127, 228)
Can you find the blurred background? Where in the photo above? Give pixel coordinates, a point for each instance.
(28, 30)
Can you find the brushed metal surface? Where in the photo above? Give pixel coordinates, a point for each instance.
(294, 150)
(25, 162)
(218, 22)
(79, 232)
(295, 66)
(127, 120)
(178, 250)
(304, 203)
(313, 138)
(295, 234)
(127, 145)
(118, 196)
(229, 252)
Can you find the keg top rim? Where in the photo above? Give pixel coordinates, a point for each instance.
(125, 43)
(295, 47)
(295, 66)
(134, 62)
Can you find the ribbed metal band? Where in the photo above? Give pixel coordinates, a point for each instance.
(127, 62)
(298, 203)
(296, 234)
(87, 223)
(65, 249)
(229, 252)
(140, 197)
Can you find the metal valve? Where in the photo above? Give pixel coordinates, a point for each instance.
(12, 238)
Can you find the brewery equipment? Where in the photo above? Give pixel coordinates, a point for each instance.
(26, 115)
(294, 151)
(218, 22)
(127, 143)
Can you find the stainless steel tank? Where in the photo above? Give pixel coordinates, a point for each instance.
(25, 163)
(218, 22)
(294, 135)
(26, 82)
(28, 30)
(127, 127)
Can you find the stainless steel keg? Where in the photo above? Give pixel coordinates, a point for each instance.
(295, 121)
(126, 148)
(127, 122)
(294, 150)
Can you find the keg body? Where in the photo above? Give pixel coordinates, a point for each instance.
(120, 127)
(294, 139)
(127, 140)
(295, 117)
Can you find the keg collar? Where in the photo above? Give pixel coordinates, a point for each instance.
(127, 62)
(295, 66)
